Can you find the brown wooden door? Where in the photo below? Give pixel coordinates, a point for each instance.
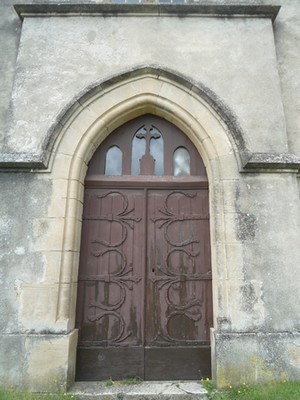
(144, 304)
(178, 285)
(110, 308)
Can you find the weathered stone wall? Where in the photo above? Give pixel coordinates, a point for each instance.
(287, 38)
(222, 60)
(234, 90)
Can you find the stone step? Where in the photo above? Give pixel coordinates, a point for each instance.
(151, 390)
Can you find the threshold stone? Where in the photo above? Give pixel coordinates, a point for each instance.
(151, 390)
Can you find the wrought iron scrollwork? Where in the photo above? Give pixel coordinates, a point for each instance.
(168, 278)
(121, 336)
(123, 218)
(122, 276)
(168, 218)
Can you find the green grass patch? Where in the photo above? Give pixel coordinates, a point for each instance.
(15, 395)
(269, 391)
(129, 381)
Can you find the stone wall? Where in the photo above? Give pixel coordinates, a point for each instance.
(286, 34)
(66, 84)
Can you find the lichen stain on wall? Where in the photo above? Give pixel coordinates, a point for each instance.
(252, 370)
(44, 363)
(293, 351)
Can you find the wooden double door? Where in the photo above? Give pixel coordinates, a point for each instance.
(144, 304)
(144, 296)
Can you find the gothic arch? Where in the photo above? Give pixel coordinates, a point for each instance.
(164, 79)
(101, 111)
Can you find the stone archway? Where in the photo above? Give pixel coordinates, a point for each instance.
(144, 304)
(100, 112)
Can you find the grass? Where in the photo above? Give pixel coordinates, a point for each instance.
(129, 381)
(270, 391)
(14, 395)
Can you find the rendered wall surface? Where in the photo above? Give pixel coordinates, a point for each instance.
(220, 55)
(232, 85)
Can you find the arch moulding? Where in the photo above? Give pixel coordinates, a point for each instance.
(93, 117)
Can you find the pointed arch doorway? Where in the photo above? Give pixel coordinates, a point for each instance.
(144, 303)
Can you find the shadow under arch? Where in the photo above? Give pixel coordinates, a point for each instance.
(209, 125)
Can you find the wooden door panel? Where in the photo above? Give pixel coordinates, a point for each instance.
(179, 300)
(164, 363)
(96, 364)
(111, 284)
(178, 268)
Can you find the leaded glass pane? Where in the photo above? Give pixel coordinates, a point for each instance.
(113, 161)
(147, 152)
(181, 162)
(157, 151)
(138, 150)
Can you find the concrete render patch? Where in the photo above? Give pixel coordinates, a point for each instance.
(151, 390)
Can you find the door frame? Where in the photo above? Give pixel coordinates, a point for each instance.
(143, 187)
(152, 184)
(209, 125)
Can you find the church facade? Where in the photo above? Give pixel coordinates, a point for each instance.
(150, 213)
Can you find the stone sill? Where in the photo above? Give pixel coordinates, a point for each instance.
(269, 161)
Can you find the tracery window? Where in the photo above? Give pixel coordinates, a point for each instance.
(147, 146)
